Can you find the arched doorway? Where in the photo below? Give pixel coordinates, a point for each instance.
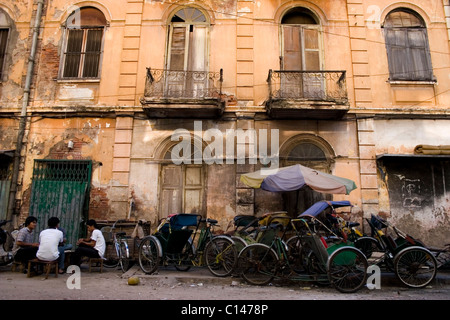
(313, 152)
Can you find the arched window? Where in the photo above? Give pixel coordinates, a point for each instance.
(83, 44)
(5, 26)
(187, 41)
(407, 46)
(311, 152)
(300, 40)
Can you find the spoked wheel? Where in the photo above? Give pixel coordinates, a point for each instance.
(149, 255)
(347, 269)
(221, 256)
(183, 259)
(295, 257)
(124, 260)
(111, 258)
(257, 264)
(415, 267)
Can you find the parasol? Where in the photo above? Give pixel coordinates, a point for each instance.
(295, 177)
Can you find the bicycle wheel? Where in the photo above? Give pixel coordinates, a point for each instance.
(221, 256)
(347, 269)
(295, 258)
(183, 260)
(111, 256)
(415, 267)
(258, 264)
(124, 258)
(369, 246)
(149, 254)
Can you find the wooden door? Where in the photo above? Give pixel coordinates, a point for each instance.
(182, 189)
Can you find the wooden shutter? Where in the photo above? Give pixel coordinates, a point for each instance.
(420, 57)
(292, 55)
(408, 54)
(193, 190)
(311, 51)
(177, 48)
(171, 188)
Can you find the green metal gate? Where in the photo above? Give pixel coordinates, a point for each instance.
(60, 188)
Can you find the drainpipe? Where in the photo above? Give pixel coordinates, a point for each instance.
(23, 113)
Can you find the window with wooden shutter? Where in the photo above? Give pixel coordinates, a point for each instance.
(407, 47)
(187, 57)
(83, 46)
(301, 51)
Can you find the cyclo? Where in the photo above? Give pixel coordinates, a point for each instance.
(413, 263)
(175, 243)
(304, 257)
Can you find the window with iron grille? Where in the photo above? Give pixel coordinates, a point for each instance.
(83, 44)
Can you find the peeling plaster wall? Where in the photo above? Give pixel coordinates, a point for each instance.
(415, 192)
(92, 137)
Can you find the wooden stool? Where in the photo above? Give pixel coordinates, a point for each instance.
(96, 260)
(17, 264)
(47, 265)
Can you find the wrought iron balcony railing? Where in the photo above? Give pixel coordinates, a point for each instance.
(329, 86)
(164, 84)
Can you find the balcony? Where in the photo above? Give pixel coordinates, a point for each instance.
(307, 95)
(183, 94)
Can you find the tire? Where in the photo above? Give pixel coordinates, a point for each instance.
(111, 257)
(368, 246)
(183, 259)
(221, 256)
(258, 264)
(415, 267)
(149, 254)
(347, 269)
(296, 254)
(239, 243)
(124, 260)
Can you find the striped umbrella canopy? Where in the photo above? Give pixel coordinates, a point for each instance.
(295, 177)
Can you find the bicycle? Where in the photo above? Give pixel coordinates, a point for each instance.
(174, 243)
(7, 241)
(341, 265)
(121, 253)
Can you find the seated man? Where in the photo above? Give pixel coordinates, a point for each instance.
(49, 240)
(92, 247)
(27, 249)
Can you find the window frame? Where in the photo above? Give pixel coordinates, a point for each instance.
(187, 24)
(411, 72)
(302, 29)
(81, 67)
(5, 53)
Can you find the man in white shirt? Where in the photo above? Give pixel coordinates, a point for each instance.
(92, 247)
(49, 239)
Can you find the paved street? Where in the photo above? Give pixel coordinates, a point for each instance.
(188, 292)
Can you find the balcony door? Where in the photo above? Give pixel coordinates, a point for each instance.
(187, 58)
(301, 51)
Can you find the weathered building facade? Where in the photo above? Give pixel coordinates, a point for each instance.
(98, 97)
